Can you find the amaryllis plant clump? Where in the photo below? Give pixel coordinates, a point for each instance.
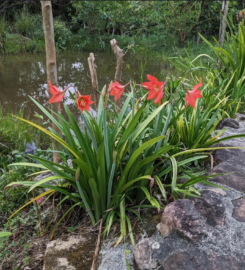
(120, 166)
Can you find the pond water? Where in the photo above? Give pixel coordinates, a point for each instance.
(25, 75)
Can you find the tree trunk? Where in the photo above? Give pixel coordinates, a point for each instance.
(50, 61)
(224, 13)
(93, 73)
(119, 55)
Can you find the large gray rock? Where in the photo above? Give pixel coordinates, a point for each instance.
(227, 122)
(202, 261)
(231, 162)
(211, 207)
(193, 218)
(239, 209)
(182, 216)
(221, 245)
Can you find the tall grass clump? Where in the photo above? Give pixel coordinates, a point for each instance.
(23, 22)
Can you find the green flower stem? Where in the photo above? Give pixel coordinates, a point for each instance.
(107, 154)
(131, 139)
(165, 126)
(164, 130)
(90, 132)
(110, 184)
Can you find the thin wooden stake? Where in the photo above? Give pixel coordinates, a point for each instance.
(119, 55)
(97, 247)
(93, 73)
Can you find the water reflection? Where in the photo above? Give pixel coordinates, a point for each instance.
(23, 75)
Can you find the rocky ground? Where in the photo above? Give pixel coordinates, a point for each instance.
(206, 233)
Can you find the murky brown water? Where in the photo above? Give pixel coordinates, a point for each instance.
(25, 74)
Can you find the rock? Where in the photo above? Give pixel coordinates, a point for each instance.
(211, 207)
(112, 257)
(143, 254)
(233, 174)
(200, 260)
(231, 162)
(73, 253)
(226, 154)
(181, 216)
(227, 122)
(218, 191)
(191, 218)
(239, 209)
(240, 117)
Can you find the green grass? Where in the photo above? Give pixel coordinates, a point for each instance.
(14, 134)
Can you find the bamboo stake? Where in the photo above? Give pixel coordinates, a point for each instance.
(93, 73)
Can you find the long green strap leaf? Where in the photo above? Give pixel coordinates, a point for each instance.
(58, 139)
(85, 203)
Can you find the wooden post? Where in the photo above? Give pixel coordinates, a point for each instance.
(224, 13)
(50, 59)
(119, 55)
(93, 73)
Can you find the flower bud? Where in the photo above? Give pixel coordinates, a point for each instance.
(104, 97)
(114, 156)
(77, 174)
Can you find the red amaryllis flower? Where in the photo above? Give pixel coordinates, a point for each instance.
(192, 96)
(58, 95)
(117, 89)
(84, 102)
(155, 88)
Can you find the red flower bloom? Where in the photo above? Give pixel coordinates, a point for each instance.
(58, 95)
(155, 88)
(116, 89)
(192, 96)
(83, 102)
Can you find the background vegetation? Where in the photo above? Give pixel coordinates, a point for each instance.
(89, 25)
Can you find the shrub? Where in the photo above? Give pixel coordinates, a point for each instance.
(62, 34)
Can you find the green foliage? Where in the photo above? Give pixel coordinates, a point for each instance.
(225, 70)
(24, 22)
(14, 135)
(4, 234)
(86, 25)
(62, 34)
